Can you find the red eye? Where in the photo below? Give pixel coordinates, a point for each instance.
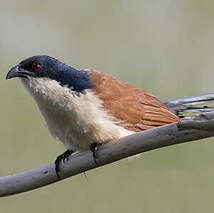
(36, 67)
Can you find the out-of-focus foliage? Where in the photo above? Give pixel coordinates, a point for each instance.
(165, 47)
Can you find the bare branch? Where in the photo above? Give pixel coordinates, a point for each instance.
(80, 162)
(203, 121)
(155, 138)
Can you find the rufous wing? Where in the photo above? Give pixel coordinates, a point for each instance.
(133, 108)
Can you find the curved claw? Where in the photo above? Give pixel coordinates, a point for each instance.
(94, 147)
(60, 158)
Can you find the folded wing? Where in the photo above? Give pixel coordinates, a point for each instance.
(133, 108)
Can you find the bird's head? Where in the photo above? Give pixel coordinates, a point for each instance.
(44, 66)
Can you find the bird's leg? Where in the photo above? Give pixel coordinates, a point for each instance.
(60, 158)
(94, 147)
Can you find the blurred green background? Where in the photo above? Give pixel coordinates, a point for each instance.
(163, 46)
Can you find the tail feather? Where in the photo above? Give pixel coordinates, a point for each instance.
(191, 105)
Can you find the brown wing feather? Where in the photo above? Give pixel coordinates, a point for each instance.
(135, 109)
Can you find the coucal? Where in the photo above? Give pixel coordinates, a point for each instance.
(86, 108)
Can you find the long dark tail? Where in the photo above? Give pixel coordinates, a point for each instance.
(191, 105)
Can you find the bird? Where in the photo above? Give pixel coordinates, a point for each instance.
(86, 108)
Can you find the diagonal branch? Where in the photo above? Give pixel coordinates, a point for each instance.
(131, 145)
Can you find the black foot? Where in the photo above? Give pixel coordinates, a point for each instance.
(94, 147)
(60, 158)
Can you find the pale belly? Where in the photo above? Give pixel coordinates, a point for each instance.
(77, 134)
(76, 120)
(74, 134)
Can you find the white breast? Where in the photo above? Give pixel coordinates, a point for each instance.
(76, 119)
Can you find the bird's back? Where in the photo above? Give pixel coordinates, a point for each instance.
(134, 109)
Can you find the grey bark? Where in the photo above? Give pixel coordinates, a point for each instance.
(188, 129)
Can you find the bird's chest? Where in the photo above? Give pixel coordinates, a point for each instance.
(68, 126)
(76, 119)
(71, 121)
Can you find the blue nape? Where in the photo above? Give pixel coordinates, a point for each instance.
(78, 80)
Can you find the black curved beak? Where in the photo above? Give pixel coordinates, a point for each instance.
(18, 72)
(13, 72)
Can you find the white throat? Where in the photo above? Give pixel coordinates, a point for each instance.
(77, 120)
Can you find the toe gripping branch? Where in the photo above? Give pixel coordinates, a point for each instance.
(94, 147)
(60, 158)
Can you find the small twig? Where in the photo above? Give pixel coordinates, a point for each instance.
(204, 122)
